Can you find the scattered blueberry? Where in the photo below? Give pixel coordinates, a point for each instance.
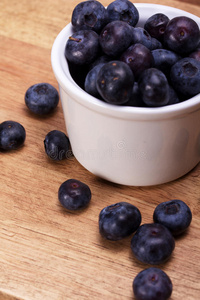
(82, 47)
(123, 11)
(152, 243)
(89, 15)
(185, 76)
(41, 98)
(152, 284)
(119, 220)
(154, 87)
(74, 194)
(174, 214)
(115, 82)
(57, 145)
(12, 135)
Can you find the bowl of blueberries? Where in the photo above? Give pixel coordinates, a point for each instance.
(129, 83)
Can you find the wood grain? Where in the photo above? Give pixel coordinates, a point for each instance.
(46, 252)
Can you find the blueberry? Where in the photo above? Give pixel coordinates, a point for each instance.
(89, 15)
(100, 60)
(182, 35)
(156, 44)
(119, 220)
(152, 243)
(90, 81)
(124, 11)
(164, 59)
(135, 99)
(12, 135)
(152, 284)
(141, 36)
(174, 214)
(156, 25)
(154, 87)
(41, 98)
(195, 54)
(74, 194)
(57, 145)
(115, 38)
(138, 58)
(185, 76)
(115, 82)
(173, 96)
(82, 47)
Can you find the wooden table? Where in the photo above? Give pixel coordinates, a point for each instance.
(46, 252)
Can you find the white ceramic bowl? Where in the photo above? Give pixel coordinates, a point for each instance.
(128, 145)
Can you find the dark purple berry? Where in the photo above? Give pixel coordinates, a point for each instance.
(152, 243)
(164, 59)
(135, 99)
(82, 47)
(12, 135)
(152, 284)
(185, 76)
(90, 81)
(115, 38)
(123, 11)
(102, 59)
(156, 44)
(115, 82)
(173, 96)
(174, 214)
(195, 54)
(57, 145)
(154, 88)
(74, 194)
(119, 220)
(141, 36)
(138, 58)
(89, 15)
(182, 35)
(41, 98)
(156, 24)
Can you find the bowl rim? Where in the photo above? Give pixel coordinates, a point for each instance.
(66, 82)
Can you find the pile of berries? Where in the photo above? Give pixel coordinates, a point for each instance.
(115, 61)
